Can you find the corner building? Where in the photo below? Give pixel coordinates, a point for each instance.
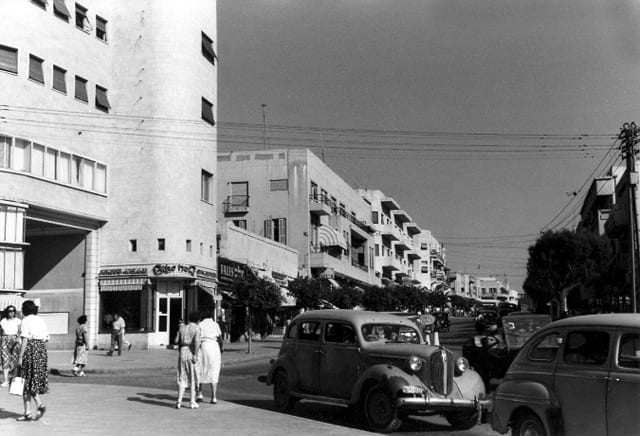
(107, 162)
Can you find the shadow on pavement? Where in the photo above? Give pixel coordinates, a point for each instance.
(170, 405)
(5, 414)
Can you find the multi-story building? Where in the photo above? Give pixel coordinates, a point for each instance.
(432, 264)
(107, 162)
(597, 205)
(292, 197)
(491, 288)
(395, 253)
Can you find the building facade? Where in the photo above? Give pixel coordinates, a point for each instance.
(107, 162)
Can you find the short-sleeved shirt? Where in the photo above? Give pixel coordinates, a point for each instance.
(209, 329)
(34, 327)
(10, 326)
(118, 324)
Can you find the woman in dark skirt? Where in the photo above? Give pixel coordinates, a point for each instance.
(33, 360)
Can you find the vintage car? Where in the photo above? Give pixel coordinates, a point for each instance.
(376, 363)
(576, 376)
(491, 353)
(485, 318)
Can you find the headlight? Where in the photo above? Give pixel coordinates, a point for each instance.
(462, 364)
(415, 363)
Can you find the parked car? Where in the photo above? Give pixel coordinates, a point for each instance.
(491, 353)
(576, 376)
(376, 363)
(485, 318)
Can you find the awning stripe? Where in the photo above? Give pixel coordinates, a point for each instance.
(330, 237)
(124, 284)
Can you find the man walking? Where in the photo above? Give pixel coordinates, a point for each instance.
(117, 334)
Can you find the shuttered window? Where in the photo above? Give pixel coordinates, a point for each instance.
(207, 49)
(101, 28)
(40, 3)
(207, 112)
(82, 22)
(59, 79)
(60, 10)
(8, 59)
(102, 102)
(81, 89)
(35, 69)
(279, 185)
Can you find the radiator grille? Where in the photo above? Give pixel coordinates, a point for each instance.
(441, 372)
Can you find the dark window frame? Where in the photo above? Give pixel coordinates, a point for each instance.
(207, 112)
(101, 99)
(206, 186)
(9, 59)
(36, 69)
(208, 51)
(83, 95)
(59, 74)
(101, 28)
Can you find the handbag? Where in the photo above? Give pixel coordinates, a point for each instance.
(220, 344)
(17, 386)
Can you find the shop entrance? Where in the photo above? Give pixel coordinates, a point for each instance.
(170, 311)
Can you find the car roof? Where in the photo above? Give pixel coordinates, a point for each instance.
(353, 316)
(600, 320)
(527, 314)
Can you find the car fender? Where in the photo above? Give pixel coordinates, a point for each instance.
(283, 363)
(389, 376)
(470, 385)
(512, 396)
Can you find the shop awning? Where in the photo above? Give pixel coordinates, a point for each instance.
(330, 237)
(208, 287)
(15, 301)
(123, 284)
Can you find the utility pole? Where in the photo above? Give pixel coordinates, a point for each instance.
(629, 137)
(265, 133)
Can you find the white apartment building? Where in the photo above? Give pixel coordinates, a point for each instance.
(107, 162)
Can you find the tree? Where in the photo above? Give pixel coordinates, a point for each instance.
(346, 297)
(256, 293)
(380, 299)
(308, 292)
(436, 299)
(564, 261)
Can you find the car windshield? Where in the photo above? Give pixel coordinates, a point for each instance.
(390, 333)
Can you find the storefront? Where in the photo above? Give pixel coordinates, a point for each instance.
(153, 299)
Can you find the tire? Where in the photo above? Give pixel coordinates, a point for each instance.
(527, 424)
(462, 420)
(282, 397)
(380, 411)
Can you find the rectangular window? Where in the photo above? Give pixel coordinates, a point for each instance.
(201, 248)
(276, 229)
(377, 249)
(60, 10)
(374, 217)
(40, 3)
(8, 59)
(81, 89)
(207, 112)
(64, 168)
(240, 223)
(20, 155)
(37, 160)
(207, 49)
(82, 22)
(161, 244)
(86, 166)
(133, 245)
(279, 185)
(101, 28)
(188, 245)
(206, 186)
(210, 250)
(100, 180)
(35, 69)
(59, 79)
(102, 102)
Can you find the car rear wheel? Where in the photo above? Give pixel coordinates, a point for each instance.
(282, 394)
(462, 420)
(380, 411)
(527, 424)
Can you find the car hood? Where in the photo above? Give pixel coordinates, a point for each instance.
(400, 349)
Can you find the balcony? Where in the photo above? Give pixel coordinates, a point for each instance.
(390, 263)
(342, 265)
(389, 232)
(413, 229)
(618, 222)
(413, 255)
(437, 257)
(236, 204)
(320, 204)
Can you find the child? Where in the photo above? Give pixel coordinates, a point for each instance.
(81, 352)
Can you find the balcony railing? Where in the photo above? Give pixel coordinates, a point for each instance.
(236, 204)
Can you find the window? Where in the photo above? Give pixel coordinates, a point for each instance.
(133, 245)
(206, 185)
(81, 89)
(64, 168)
(59, 79)
(37, 159)
(240, 223)
(629, 351)
(276, 229)
(35, 69)
(20, 156)
(377, 249)
(374, 217)
(82, 22)
(279, 185)
(339, 333)
(586, 347)
(309, 331)
(201, 248)
(8, 59)
(101, 28)
(50, 163)
(207, 49)
(188, 245)
(207, 112)
(210, 250)
(60, 10)
(40, 3)
(132, 305)
(102, 102)
(161, 244)
(546, 348)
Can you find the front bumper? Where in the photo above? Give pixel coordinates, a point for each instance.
(431, 403)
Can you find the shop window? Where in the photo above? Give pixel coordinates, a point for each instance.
(133, 306)
(161, 244)
(101, 28)
(35, 69)
(59, 79)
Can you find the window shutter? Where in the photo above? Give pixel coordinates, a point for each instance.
(282, 226)
(207, 112)
(101, 98)
(267, 229)
(101, 28)
(8, 59)
(207, 49)
(35, 69)
(59, 82)
(60, 8)
(81, 89)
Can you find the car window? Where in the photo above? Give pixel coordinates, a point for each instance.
(545, 348)
(629, 351)
(588, 347)
(339, 333)
(390, 333)
(309, 331)
(292, 331)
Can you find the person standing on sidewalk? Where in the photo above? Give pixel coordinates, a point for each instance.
(32, 362)
(188, 340)
(81, 352)
(210, 355)
(117, 334)
(10, 343)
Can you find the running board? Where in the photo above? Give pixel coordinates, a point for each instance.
(321, 399)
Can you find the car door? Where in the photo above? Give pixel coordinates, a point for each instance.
(580, 379)
(307, 356)
(339, 359)
(623, 394)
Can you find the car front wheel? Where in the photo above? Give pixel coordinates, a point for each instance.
(282, 394)
(527, 424)
(380, 411)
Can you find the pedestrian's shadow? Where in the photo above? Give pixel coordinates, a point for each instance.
(152, 402)
(5, 414)
(157, 396)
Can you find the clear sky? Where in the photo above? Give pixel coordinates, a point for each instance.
(482, 118)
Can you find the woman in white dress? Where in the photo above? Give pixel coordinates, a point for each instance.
(210, 355)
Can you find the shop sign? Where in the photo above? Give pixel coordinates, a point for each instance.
(230, 270)
(120, 272)
(280, 278)
(206, 274)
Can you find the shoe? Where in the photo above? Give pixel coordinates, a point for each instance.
(25, 417)
(214, 401)
(82, 374)
(178, 405)
(129, 348)
(41, 410)
(194, 405)
(75, 372)
(109, 353)
(199, 397)
(4, 384)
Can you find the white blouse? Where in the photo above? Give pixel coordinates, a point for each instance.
(209, 329)
(34, 327)
(10, 326)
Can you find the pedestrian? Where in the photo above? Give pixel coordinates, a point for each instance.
(188, 340)
(32, 361)
(81, 351)
(210, 355)
(117, 334)
(9, 343)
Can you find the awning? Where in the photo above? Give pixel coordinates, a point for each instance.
(208, 287)
(61, 8)
(124, 284)
(330, 237)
